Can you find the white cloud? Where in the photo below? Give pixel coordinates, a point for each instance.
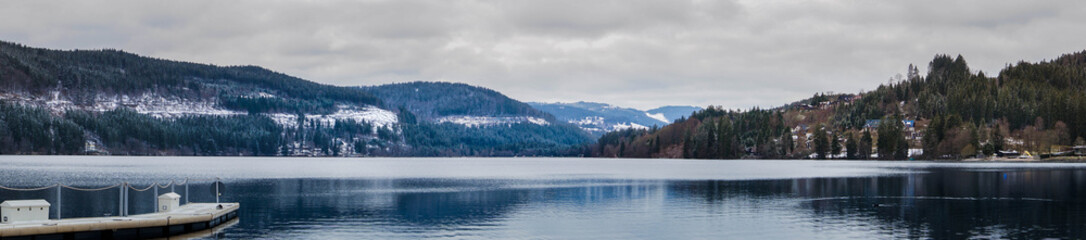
(637, 53)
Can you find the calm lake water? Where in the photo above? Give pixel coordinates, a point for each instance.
(533, 198)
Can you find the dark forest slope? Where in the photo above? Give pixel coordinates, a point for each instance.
(430, 100)
(951, 112)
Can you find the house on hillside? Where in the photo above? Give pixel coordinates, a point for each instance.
(910, 125)
(846, 98)
(801, 128)
(90, 146)
(93, 147)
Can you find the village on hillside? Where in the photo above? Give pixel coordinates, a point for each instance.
(1015, 146)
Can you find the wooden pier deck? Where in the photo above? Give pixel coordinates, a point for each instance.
(192, 217)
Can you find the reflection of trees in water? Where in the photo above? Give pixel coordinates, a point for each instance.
(439, 203)
(942, 204)
(474, 205)
(456, 208)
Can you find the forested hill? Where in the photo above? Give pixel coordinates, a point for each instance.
(86, 76)
(433, 100)
(113, 102)
(600, 118)
(454, 119)
(951, 112)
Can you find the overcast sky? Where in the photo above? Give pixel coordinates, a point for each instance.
(631, 53)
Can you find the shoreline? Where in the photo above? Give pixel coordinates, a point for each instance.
(1061, 159)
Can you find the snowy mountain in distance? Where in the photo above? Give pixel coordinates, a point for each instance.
(670, 113)
(600, 118)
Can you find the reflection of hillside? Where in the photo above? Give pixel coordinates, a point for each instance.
(279, 204)
(482, 205)
(943, 204)
(455, 208)
(1022, 204)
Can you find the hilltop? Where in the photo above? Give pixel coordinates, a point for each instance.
(949, 113)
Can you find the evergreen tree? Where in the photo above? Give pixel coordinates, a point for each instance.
(621, 149)
(657, 146)
(865, 145)
(997, 139)
(930, 140)
(901, 151)
(835, 144)
(851, 147)
(821, 142)
(892, 144)
(787, 144)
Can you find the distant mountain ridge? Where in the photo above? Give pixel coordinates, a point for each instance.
(600, 118)
(431, 100)
(443, 118)
(113, 102)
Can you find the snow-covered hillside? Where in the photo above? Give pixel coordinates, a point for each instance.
(173, 107)
(600, 118)
(658, 116)
(477, 121)
(671, 113)
(150, 104)
(370, 114)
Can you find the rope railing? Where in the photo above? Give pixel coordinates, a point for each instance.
(92, 189)
(141, 190)
(123, 193)
(155, 184)
(29, 189)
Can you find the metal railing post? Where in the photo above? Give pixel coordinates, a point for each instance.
(120, 200)
(155, 186)
(126, 199)
(60, 201)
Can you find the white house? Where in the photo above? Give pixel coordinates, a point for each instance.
(24, 210)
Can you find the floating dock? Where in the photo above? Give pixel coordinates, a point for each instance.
(188, 218)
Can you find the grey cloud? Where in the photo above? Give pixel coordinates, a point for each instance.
(636, 53)
(593, 18)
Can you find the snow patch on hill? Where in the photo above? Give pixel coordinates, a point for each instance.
(624, 126)
(476, 121)
(588, 121)
(600, 124)
(162, 107)
(658, 116)
(173, 107)
(370, 114)
(150, 104)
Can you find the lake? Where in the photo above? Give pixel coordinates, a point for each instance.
(570, 198)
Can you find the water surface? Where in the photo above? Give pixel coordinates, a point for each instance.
(530, 198)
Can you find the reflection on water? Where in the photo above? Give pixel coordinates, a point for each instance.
(213, 233)
(929, 202)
